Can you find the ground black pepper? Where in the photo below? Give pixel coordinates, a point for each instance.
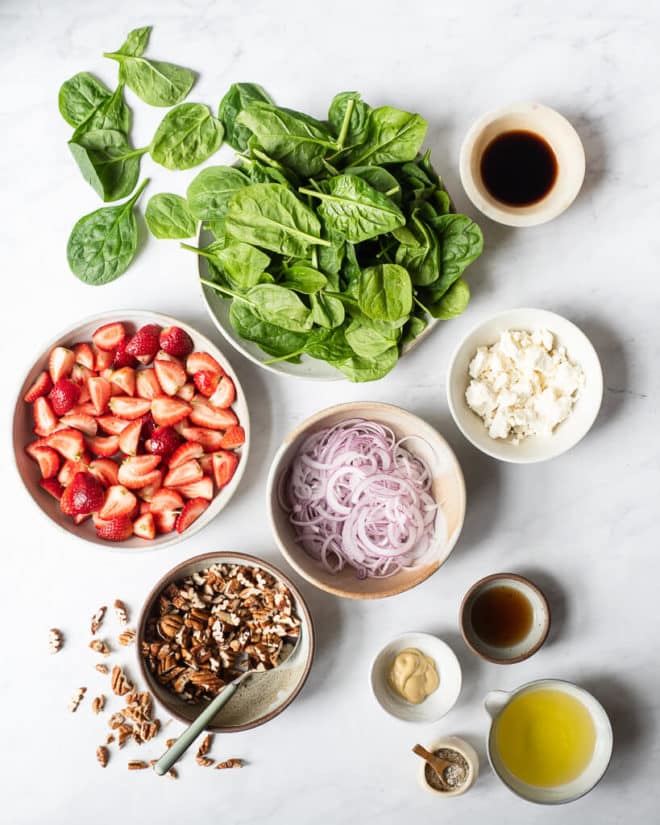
(453, 775)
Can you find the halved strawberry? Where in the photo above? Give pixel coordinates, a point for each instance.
(202, 361)
(70, 468)
(206, 382)
(130, 437)
(145, 343)
(118, 502)
(109, 336)
(155, 482)
(80, 518)
(85, 423)
(106, 470)
(161, 355)
(144, 507)
(206, 461)
(68, 442)
(122, 358)
(60, 363)
(64, 395)
(176, 341)
(225, 394)
(148, 425)
(224, 467)
(116, 529)
(187, 391)
(137, 471)
(147, 385)
(47, 459)
(233, 437)
(171, 376)
(198, 489)
(165, 500)
(186, 452)
(144, 527)
(169, 411)
(45, 419)
(99, 392)
(84, 495)
(163, 442)
(111, 424)
(84, 409)
(165, 521)
(126, 407)
(210, 440)
(192, 510)
(52, 486)
(103, 359)
(183, 474)
(204, 415)
(84, 355)
(39, 388)
(124, 378)
(103, 445)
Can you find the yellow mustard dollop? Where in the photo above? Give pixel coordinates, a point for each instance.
(413, 676)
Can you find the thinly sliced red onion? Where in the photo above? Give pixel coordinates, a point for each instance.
(356, 496)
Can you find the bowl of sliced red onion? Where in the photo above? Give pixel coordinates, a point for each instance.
(366, 500)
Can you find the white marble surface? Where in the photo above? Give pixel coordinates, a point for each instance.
(581, 525)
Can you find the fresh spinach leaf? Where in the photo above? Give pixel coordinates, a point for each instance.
(414, 327)
(136, 42)
(461, 242)
(272, 339)
(280, 306)
(187, 136)
(393, 136)
(368, 341)
(156, 82)
(239, 96)
(210, 192)
(328, 345)
(348, 117)
(327, 310)
(80, 96)
(302, 278)
(168, 216)
(379, 178)
(107, 162)
(418, 251)
(385, 292)
(453, 302)
(360, 369)
(243, 264)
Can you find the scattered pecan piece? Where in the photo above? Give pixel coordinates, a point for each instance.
(116, 720)
(127, 637)
(109, 739)
(119, 682)
(137, 765)
(169, 743)
(102, 755)
(97, 619)
(124, 733)
(205, 745)
(121, 612)
(203, 761)
(76, 699)
(99, 646)
(55, 640)
(229, 763)
(98, 703)
(102, 669)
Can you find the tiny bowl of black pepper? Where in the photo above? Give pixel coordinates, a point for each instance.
(459, 776)
(214, 616)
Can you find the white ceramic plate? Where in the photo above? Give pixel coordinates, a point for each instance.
(536, 448)
(22, 432)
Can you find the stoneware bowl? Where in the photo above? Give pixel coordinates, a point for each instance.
(559, 134)
(448, 490)
(538, 632)
(536, 448)
(468, 753)
(497, 700)
(257, 700)
(22, 431)
(439, 703)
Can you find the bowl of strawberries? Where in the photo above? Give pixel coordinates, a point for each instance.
(131, 430)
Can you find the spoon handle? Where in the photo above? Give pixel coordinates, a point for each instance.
(173, 754)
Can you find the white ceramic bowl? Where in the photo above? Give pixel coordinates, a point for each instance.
(439, 703)
(448, 489)
(536, 448)
(562, 138)
(468, 753)
(22, 432)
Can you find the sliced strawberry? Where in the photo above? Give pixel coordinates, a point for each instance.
(106, 470)
(109, 336)
(198, 361)
(99, 392)
(81, 374)
(144, 507)
(204, 415)
(211, 440)
(80, 518)
(68, 442)
(118, 502)
(171, 376)
(184, 453)
(148, 425)
(84, 409)
(165, 500)
(233, 437)
(163, 442)
(224, 467)
(206, 461)
(144, 527)
(145, 343)
(45, 419)
(124, 378)
(183, 474)
(64, 395)
(111, 424)
(206, 382)
(70, 468)
(84, 495)
(161, 355)
(47, 459)
(84, 355)
(192, 510)
(60, 363)
(187, 391)
(130, 408)
(165, 521)
(169, 411)
(130, 437)
(176, 341)
(147, 385)
(225, 394)
(116, 529)
(122, 358)
(103, 359)
(103, 446)
(85, 423)
(155, 482)
(135, 471)
(198, 489)
(52, 486)
(41, 386)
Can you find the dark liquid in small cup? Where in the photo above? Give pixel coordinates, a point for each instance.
(501, 616)
(519, 168)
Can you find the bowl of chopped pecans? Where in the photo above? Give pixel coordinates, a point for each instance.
(210, 618)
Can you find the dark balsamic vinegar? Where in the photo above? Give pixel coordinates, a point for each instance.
(518, 168)
(502, 616)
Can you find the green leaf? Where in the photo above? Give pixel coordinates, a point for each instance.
(393, 136)
(367, 340)
(136, 42)
(187, 136)
(379, 178)
(80, 96)
(360, 369)
(239, 96)
(155, 82)
(461, 242)
(210, 192)
(280, 306)
(453, 302)
(272, 339)
(328, 345)
(302, 278)
(418, 251)
(103, 244)
(350, 130)
(327, 311)
(243, 264)
(414, 327)
(271, 216)
(107, 162)
(385, 292)
(168, 216)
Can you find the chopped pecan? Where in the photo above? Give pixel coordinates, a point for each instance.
(55, 640)
(99, 646)
(102, 669)
(121, 612)
(97, 619)
(98, 703)
(229, 763)
(102, 755)
(76, 699)
(119, 682)
(127, 637)
(137, 765)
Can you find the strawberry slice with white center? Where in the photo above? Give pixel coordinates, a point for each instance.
(112, 425)
(130, 437)
(169, 411)
(198, 361)
(206, 382)
(45, 419)
(103, 360)
(147, 385)
(207, 463)
(124, 379)
(60, 363)
(171, 376)
(138, 471)
(144, 527)
(166, 500)
(184, 453)
(119, 501)
(126, 407)
(184, 474)
(198, 489)
(210, 440)
(84, 355)
(109, 336)
(85, 423)
(52, 486)
(47, 459)
(104, 445)
(149, 490)
(224, 467)
(41, 386)
(165, 521)
(225, 394)
(105, 470)
(99, 393)
(233, 437)
(192, 510)
(68, 443)
(187, 391)
(70, 468)
(116, 529)
(204, 415)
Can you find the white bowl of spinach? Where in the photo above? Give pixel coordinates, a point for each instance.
(330, 247)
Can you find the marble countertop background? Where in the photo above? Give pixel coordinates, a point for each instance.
(583, 526)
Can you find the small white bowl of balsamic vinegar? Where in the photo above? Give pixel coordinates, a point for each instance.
(522, 165)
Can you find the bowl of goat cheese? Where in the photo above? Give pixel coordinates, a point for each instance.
(525, 385)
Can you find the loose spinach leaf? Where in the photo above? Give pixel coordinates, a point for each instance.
(360, 369)
(136, 42)
(330, 258)
(461, 242)
(302, 278)
(393, 136)
(271, 216)
(327, 310)
(261, 172)
(239, 96)
(80, 96)
(154, 81)
(418, 251)
(385, 292)
(210, 192)
(379, 178)
(107, 162)
(168, 216)
(453, 302)
(348, 117)
(280, 306)
(328, 345)
(367, 340)
(414, 327)
(272, 339)
(243, 264)
(103, 244)
(187, 136)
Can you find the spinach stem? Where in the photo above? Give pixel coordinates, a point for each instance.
(330, 168)
(315, 258)
(421, 305)
(140, 190)
(196, 249)
(392, 191)
(343, 132)
(285, 357)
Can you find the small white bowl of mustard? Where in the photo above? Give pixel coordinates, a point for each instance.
(416, 677)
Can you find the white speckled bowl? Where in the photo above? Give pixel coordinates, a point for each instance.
(536, 448)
